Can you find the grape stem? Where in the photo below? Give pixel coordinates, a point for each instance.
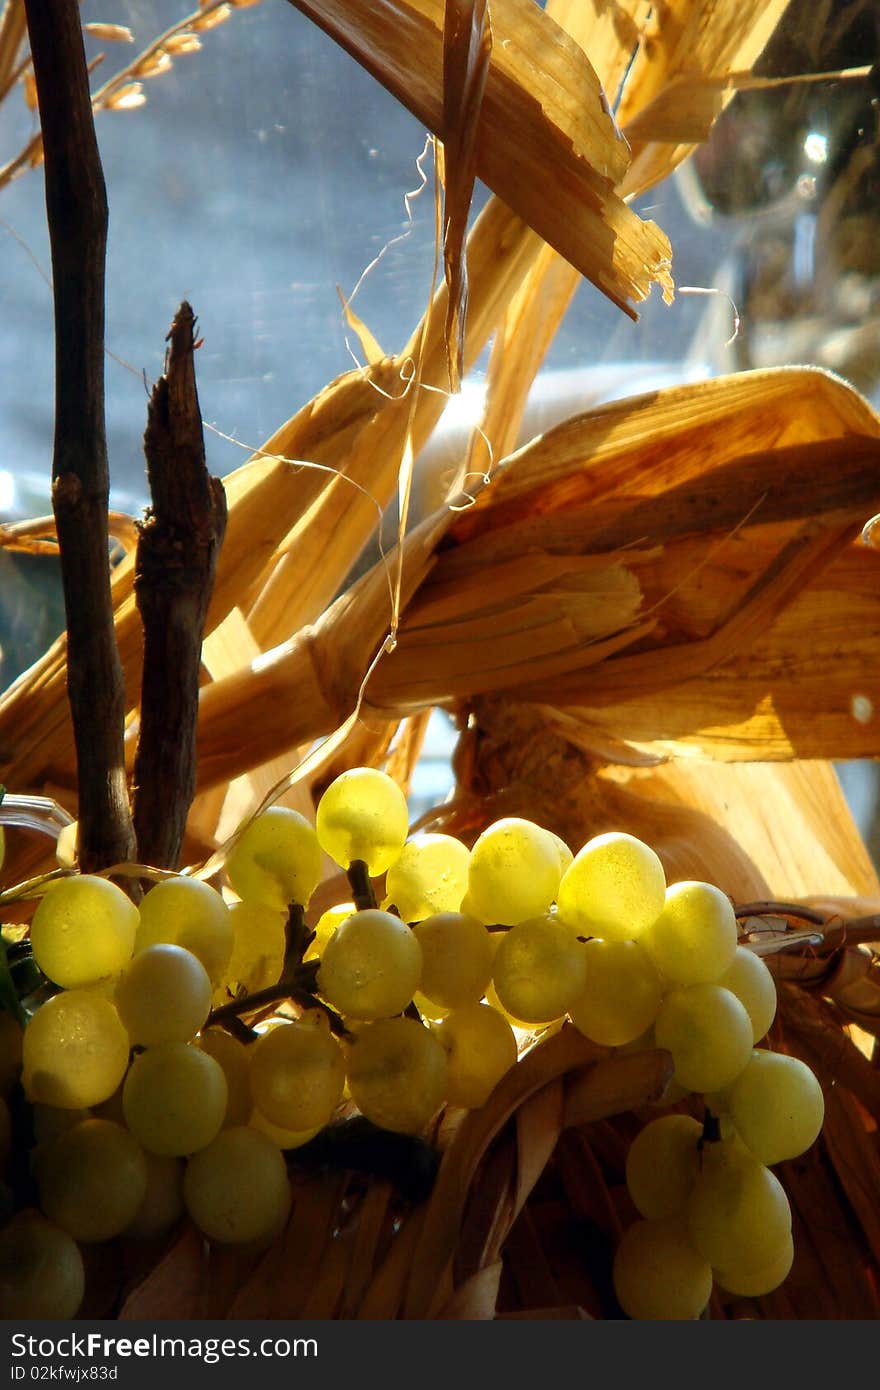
(298, 937)
(298, 987)
(711, 1130)
(361, 887)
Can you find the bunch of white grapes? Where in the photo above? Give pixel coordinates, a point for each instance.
(193, 1040)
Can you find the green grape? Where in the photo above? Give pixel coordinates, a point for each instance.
(83, 930)
(514, 872)
(756, 1283)
(297, 1073)
(75, 1051)
(91, 1180)
(258, 948)
(755, 988)
(363, 815)
(236, 1190)
(326, 926)
(276, 861)
(11, 1041)
(658, 1275)
(186, 912)
(174, 1098)
(693, 941)
(371, 966)
(397, 1074)
(777, 1106)
(235, 1059)
(614, 888)
(162, 1205)
(2, 846)
(41, 1270)
(163, 996)
(709, 1034)
(480, 1048)
(430, 876)
(662, 1165)
(621, 995)
(539, 970)
(457, 958)
(282, 1138)
(738, 1214)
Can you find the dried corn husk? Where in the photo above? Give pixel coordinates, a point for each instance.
(684, 44)
(562, 541)
(555, 160)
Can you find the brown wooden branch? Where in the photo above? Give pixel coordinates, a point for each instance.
(174, 575)
(76, 204)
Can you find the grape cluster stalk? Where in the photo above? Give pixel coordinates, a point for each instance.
(177, 1053)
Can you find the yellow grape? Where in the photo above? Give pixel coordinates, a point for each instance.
(163, 996)
(282, 1138)
(371, 966)
(621, 995)
(297, 1074)
(755, 988)
(162, 1205)
(539, 970)
(174, 1098)
(41, 1270)
(83, 930)
(91, 1180)
(236, 1190)
(658, 1275)
(109, 1109)
(397, 1074)
(363, 815)
(431, 875)
(709, 1034)
(565, 855)
(777, 1106)
(326, 926)
(614, 888)
(693, 941)
(457, 958)
(235, 1060)
(186, 912)
(258, 948)
(737, 1214)
(756, 1283)
(514, 872)
(49, 1121)
(11, 1041)
(492, 998)
(662, 1165)
(480, 1048)
(75, 1051)
(276, 861)
(468, 908)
